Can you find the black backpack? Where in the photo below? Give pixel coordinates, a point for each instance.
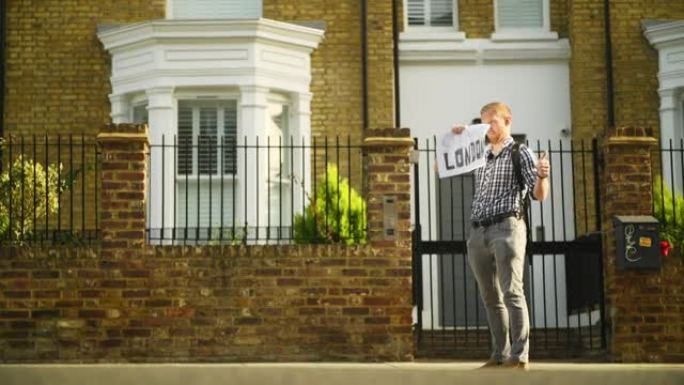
(517, 170)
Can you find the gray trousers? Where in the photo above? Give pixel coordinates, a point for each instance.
(497, 256)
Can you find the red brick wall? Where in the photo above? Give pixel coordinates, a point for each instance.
(256, 303)
(645, 307)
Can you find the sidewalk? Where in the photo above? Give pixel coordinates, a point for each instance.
(340, 373)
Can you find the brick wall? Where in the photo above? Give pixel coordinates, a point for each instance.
(180, 304)
(635, 64)
(645, 307)
(57, 78)
(635, 61)
(127, 301)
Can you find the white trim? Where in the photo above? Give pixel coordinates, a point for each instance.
(668, 38)
(524, 35)
(160, 31)
(479, 50)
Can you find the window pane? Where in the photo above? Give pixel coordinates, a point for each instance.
(184, 139)
(216, 9)
(140, 115)
(520, 13)
(207, 140)
(416, 12)
(441, 13)
(283, 122)
(230, 137)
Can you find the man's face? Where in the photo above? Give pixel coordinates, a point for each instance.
(499, 127)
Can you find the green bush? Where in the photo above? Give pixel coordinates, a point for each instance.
(669, 209)
(41, 199)
(337, 213)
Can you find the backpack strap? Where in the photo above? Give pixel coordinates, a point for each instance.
(524, 200)
(517, 170)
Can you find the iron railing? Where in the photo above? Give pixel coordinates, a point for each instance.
(216, 190)
(667, 167)
(48, 189)
(563, 280)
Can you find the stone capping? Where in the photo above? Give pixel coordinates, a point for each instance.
(388, 137)
(124, 130)
(111, 136)
(629, 140)
(388, 142)
(630, 135)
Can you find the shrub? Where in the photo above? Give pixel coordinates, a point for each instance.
(669, 209)
(337, 213)
(24, 202)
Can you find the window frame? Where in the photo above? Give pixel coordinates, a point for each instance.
(546, 22)
(425, 28)
(215, 102)
(170, 15)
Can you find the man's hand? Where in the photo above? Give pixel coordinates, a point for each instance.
(457, 129)
(543, 166)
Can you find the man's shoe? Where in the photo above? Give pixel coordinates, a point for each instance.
(525, 366)
(491, 364)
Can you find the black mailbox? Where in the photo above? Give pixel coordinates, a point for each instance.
(637, 241)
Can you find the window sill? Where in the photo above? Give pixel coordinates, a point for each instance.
(432, 35)
(526, 47)
(205, 178)
(524, 36)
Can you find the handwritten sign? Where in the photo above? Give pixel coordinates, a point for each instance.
(461, 153)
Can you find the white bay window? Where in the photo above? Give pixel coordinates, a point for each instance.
(221, 88)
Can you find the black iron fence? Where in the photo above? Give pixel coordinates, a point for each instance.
(214, 190)
(48, 189)
(668, 190)
(563, 279)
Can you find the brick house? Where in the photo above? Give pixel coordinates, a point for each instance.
(316, 69)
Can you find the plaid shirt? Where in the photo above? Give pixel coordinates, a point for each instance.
(496, 189)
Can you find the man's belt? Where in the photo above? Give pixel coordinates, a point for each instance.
(495, 219)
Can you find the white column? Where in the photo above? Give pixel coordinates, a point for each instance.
(301, 133)
(120, 108)
(252, 167)
(669, 111)
(162, 125)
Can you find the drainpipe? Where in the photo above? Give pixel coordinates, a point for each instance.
(3, 28)
(610, 92)
(395, 44)
(364, 61)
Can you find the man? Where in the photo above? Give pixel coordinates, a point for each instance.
(496, 246)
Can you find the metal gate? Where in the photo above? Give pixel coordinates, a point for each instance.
(563, 279)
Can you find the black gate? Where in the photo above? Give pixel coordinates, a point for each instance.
(563, 279)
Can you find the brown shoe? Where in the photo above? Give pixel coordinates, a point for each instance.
(491, 364)
(525, 366)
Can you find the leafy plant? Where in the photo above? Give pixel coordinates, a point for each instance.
(669, 209)
(28, 188)
(336, 213)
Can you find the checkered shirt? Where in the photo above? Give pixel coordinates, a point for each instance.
(496, 189)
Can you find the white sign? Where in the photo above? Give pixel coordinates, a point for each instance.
(461, 153)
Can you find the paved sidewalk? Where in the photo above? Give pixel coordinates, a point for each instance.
(340, 373)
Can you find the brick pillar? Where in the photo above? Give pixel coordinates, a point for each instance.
(389, 184)
(388, 174)
(123, 149)
(644, 307)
